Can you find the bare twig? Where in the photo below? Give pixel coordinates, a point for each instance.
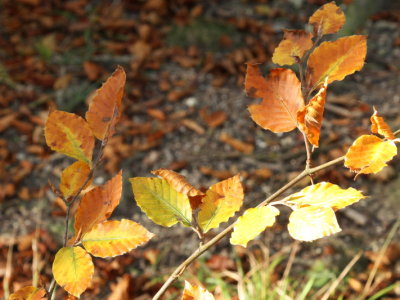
(8, 271)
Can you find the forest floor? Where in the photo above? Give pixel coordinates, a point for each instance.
(184, 109)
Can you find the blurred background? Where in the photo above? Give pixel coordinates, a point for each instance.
(185, 109)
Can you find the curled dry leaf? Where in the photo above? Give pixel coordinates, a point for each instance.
(336, 60)
(312, 222)
(106, 105)
(73, 177)
(161, 202)
(292, 48)
(73, 269)
(112, 238)
(252, 223)
(195, 292)
(329, 18)
(221, 202)
(380, 126)
(97, 205)
(369, 154)
(69, 134)
(282, 98)
(28, 293)
(310, 116)
(181, 185)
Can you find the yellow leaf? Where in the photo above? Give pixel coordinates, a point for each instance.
(336, 60)
(369, 154)
(221, 202)
(97, 205)
(73, 269)
(329, 18)
(380, 126)
(252, 223)
(28, 293)
(73, 177)
(310, 116)
(282, 98)
(325, 194)
(106, 105)
(312, 222)
(292, 48)
(181, 185)
(112, 238)
(69, 134)
(161, 202)
(195, 292)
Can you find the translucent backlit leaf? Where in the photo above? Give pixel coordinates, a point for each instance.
(73, 269)
(380, 126)
(252, 223)
(336, 60)
(161, 202)
(195, 292)
(369, 154)
(325, 194)
(329, 18)
(97, 205)
(69, 134)
(73, 177)
(28, 293)
(310, 116)
(221, 202)
(181, 185)
(106, 105)
(312, 222)
(282, 98)
(292, 48)
(112, 238)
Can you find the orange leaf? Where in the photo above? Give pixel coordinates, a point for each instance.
(195, 292)
(336, 60)
(329, 18)
(312, 222)
(73, 269)
(73, 177)
(380, 126)
(69, 134)
(369, 154)
(97, 205)
(181, 185)
(282, 98)
(221, 202)
(292, 48)
(106, 105)
(28, 293)
(310, 116)
(112, 238)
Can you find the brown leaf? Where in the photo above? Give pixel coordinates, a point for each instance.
(236, 144)
(329, 18)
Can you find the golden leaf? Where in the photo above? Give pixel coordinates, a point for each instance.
(380, 126)
(112, 238)
(97, 205)
(73, 177)
(69, 134)
(369, 154)
(282, 98)
(221, 202)
(195, 292)
(161, 202)
(28, 293)
(73, 269)
(310, 116)
(292, 48)
(312, 222)
(106, 105)
(329, 18)
(336, 60)
(252, 223)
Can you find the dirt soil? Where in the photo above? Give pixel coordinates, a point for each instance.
(184, 108)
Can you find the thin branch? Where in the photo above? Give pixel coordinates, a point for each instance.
(308, 151)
